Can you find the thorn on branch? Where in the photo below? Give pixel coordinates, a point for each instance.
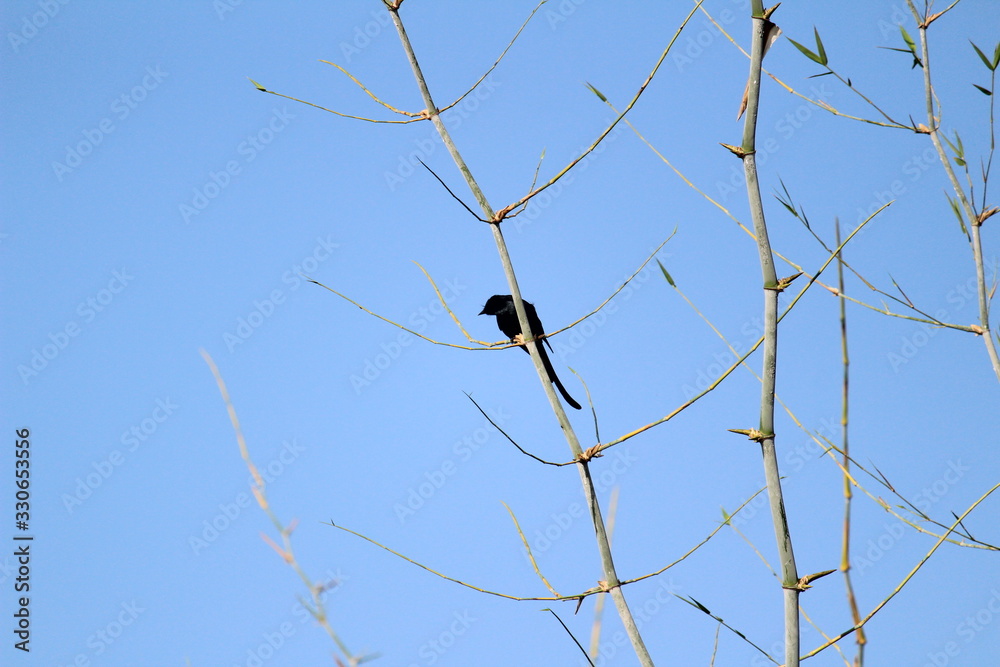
(804, 583)
(752, 433)
(785, 282)
(986, 214)
(501, 214)
(735, 150)
(931, 19)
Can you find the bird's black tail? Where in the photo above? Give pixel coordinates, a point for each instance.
(554, 379)
(565, 394)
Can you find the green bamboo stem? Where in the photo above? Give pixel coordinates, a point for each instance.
(974, 224)
(611, 581)
(845, 553)
(789, 576)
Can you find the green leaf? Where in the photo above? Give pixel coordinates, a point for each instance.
(959, 161)
(910, 44)
(996, 56)
(258, 86)
(787, 201)
(958, 213)
(961, 148)
(982, 56)
(819, 47)
(666, 274)
(984, 91)
(957, 150)
(699, 605)
(806, 52)
(791, 209)
(597, 92)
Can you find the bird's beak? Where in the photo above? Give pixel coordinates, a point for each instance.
(483, 311)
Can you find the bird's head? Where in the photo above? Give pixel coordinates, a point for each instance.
(496, 304)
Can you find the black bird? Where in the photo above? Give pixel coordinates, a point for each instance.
(502, 305)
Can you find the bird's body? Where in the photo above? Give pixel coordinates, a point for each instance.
(502, 306)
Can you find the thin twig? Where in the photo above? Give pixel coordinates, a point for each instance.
(317, 609)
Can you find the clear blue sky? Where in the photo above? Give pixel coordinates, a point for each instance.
(155, 203)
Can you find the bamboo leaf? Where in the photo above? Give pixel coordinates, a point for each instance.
(958, 213)
(983, 90)
(909, 41)
(982, 56)
(911, 45)
(666, 274)
(996, 56)
(597, 92)
(954, 149)
(787, 201)
(697, 605)
(806, 52)
(819, 48)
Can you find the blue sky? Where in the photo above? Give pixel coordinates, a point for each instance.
(155, 204)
